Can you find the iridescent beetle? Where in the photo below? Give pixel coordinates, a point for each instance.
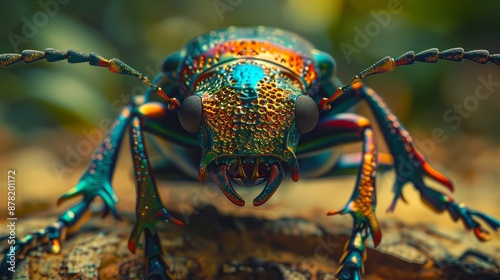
(259, 102)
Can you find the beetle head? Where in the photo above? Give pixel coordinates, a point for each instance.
(248, 117)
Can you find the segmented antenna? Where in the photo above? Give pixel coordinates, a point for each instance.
(73, 56)
(387, 64)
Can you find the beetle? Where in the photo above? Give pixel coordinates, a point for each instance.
(252, 104)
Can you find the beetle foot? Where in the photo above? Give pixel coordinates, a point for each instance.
(50, 237)
(412, 167)
(362, 219)
(440, 202)
(351, 263)
(90, 187)
(149, 212)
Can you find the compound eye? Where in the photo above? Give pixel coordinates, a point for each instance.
(306, 114)
(190, 114)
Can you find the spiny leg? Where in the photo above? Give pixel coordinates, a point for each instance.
(410, 166)
(149, 208)
(103, 161)
(158, 119)
(439, 202)
(96, 181)
(341, 129)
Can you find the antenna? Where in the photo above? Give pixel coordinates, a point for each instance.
(387, 64)
(74, 56)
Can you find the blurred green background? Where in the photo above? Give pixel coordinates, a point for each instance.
(50, 105)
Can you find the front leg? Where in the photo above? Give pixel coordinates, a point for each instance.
(149, 208)
(410, 166)
(95, 182)
(342, 129)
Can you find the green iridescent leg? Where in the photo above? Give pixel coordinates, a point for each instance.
(95, 182)
(52, 237)
(149, 208)
(440, 202)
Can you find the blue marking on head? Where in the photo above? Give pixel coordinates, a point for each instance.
(247, 75)
(246, 78)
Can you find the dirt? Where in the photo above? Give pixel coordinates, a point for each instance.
(217, 246)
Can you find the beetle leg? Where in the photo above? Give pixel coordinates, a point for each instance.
(410, 166)
(440, 202)
(149, 208)
(342, 129)
(96, 181)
